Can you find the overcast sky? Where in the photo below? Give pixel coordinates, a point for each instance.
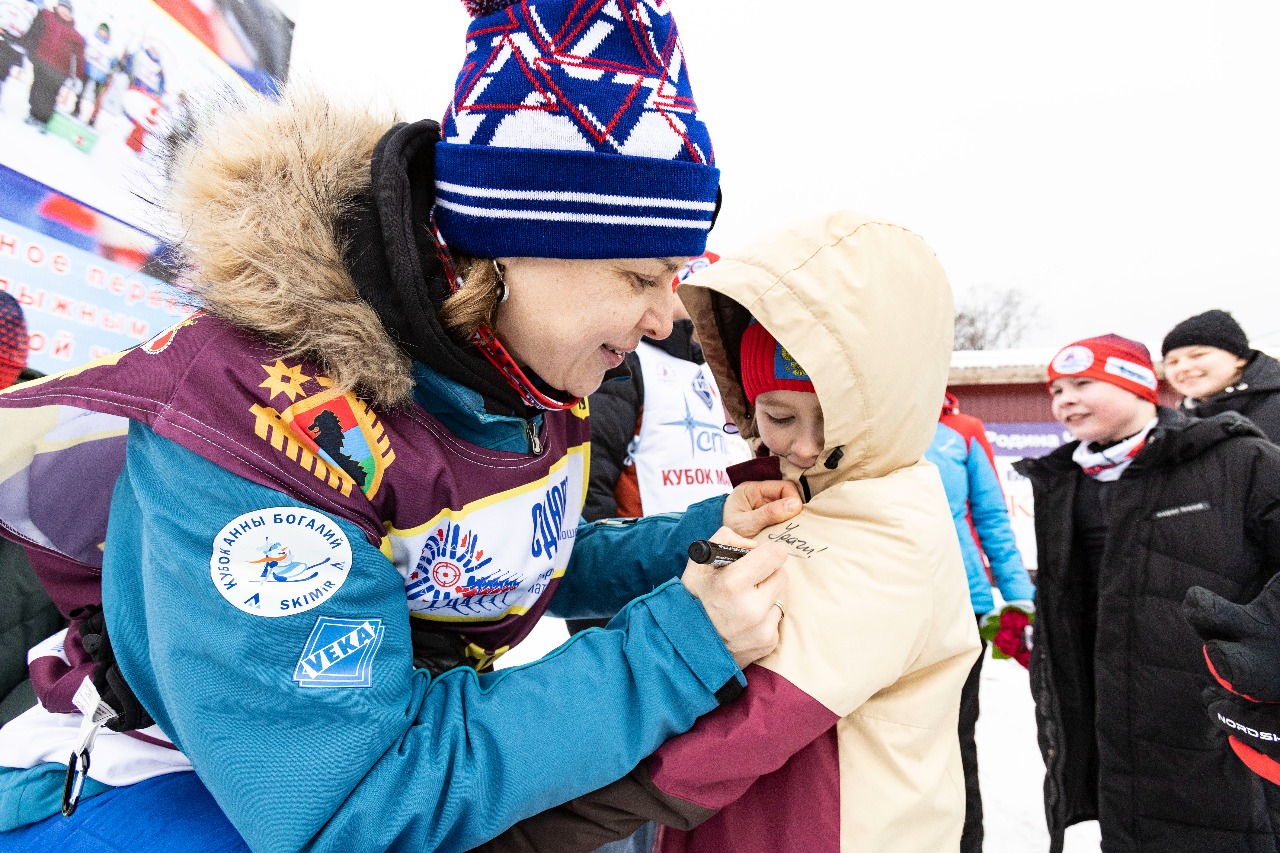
(1119, 162)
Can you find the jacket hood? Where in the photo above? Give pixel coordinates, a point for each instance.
(1178, 438)
(257, 199)
(864, 306)
(1260, 376)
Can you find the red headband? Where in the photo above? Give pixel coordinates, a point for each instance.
(1108, 358)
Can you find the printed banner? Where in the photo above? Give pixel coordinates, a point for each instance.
(88, 92)
(84, 296)
(1011, 442)
(253, 37)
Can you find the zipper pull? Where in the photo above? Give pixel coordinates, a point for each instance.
(535, 443)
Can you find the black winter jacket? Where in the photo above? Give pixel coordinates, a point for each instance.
(615, 420)
(1123, 733)
(1256, 396)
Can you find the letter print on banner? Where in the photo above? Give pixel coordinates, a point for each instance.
(339, 653)
(279, 561)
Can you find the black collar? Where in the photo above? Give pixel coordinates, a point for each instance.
(391, 256)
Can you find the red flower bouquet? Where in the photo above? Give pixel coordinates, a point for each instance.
(1009, 633)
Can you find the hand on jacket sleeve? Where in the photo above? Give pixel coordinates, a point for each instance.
(1252, 729)
(1242, 641)
(1009, 630)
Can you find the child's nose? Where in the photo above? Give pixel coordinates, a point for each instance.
(810, 444)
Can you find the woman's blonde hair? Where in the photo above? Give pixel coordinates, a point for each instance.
(476, 303)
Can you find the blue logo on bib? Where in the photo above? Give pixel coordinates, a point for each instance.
(703, 389)
(339, 653)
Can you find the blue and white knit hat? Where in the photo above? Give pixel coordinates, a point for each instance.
(573, 133)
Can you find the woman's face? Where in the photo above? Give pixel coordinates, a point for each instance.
(790, 425)
(569, 321)
(1098, 411)
(1201, 371)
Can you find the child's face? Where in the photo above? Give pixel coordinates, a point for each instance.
(1098, 411)
(790, 425)
(1201, 371)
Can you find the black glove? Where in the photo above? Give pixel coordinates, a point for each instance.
(1242, 650)
(1242, 641)
(1252, 728)
(107, 678)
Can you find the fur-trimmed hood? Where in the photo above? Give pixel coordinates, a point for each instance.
(306, 223)
(258, 198)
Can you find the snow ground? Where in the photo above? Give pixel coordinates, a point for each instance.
(1011, 770)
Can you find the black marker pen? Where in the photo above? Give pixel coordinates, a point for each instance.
(714, 554)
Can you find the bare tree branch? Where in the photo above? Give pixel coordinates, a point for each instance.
(994, 319)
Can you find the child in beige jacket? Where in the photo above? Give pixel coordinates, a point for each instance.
(830, 343)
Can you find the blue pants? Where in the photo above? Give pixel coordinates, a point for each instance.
(167, 813)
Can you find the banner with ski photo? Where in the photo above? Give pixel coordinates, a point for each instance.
(90, 91)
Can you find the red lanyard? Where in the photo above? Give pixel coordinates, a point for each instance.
(490, 347)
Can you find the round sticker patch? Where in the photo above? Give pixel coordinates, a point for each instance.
(280, 561)
(1073, 360)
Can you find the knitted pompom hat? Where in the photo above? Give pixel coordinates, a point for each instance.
(767, 366)
(14, 340)
(1108, 358)
(1215, 328)
(573, 133)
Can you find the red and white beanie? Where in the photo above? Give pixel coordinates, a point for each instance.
(767, 366)
(1108, 358)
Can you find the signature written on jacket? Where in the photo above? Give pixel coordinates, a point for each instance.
(802, 545)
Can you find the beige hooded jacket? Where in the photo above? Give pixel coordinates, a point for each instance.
(846, 738)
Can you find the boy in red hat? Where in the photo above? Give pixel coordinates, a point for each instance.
(1145, 504)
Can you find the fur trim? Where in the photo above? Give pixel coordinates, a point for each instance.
(257, 198)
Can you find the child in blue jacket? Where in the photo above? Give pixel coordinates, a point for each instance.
(966, 463)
